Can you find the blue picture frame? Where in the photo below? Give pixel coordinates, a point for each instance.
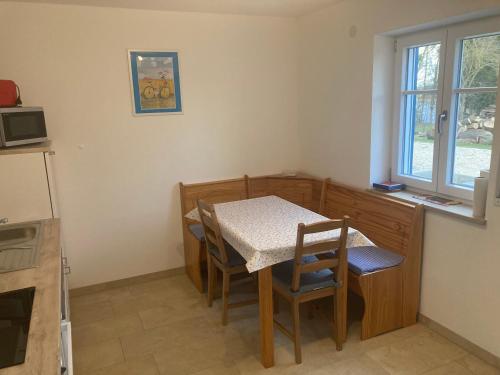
(155, 81)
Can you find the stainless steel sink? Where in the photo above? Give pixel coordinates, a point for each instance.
(19, 246)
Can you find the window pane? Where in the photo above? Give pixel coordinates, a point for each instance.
(419, 126)
(423, 67)
(480, 60)
(474, 136)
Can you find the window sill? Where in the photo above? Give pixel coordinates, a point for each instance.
(462, 211)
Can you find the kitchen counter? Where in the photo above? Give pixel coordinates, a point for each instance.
(44, 339)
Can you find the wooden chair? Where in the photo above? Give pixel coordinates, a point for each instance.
(220, 255)
(307, 278)
(210, 192)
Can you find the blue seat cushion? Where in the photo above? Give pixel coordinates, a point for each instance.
(233, 257)
(366, 259)
(283, 274)
(197, 231)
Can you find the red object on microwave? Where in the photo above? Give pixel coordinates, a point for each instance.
(10, 95)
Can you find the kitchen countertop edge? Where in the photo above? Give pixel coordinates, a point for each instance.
(44, 338)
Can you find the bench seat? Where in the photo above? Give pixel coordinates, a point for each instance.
(366, 259)
(197, 231)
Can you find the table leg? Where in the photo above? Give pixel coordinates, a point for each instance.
(266, 317)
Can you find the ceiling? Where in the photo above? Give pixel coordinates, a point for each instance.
(287, 8)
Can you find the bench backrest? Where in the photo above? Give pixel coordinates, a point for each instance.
(391, 224)
(297, 190)
(212, 192)
(387, 222)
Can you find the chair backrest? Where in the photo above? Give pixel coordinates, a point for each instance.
(213, 236)
(337, 249)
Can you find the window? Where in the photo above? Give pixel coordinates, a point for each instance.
(446, 88)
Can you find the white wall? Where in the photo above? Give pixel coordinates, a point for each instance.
(242, 86)
(119, 195)
(460, 281)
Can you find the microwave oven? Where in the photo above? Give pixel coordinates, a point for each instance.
(21, 126)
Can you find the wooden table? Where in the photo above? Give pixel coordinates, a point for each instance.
(264, 231)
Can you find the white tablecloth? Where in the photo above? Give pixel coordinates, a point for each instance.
(264, 230)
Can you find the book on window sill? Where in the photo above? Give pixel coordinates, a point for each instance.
(388, 186)
(437, 200)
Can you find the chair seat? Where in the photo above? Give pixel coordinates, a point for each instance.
(234, 258)
(365, 259)
(197, 231)
(283, 274)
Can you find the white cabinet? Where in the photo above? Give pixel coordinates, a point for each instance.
(24, 187)
(66, 348)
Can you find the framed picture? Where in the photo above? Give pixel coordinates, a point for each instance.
(155, 81)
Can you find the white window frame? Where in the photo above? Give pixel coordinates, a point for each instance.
(403, 45)
(455, 36)
(450, 39)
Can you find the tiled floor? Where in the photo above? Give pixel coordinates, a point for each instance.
(164, 327)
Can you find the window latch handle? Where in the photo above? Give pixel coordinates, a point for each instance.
(442, 118)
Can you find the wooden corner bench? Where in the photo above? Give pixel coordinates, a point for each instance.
(391, 295)
(297, 189)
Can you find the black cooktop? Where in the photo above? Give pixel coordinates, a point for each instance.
(15, 316)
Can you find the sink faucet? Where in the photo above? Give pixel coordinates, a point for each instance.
(4, 220)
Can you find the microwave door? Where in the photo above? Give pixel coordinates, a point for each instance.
(23, 127)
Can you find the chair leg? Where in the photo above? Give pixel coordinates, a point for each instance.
(296, 331)
(225, 296)
(310, 310)
(340, 317)
(276, 304)
(212, 276)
